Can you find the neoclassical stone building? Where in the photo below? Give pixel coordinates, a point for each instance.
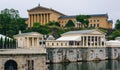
(44, 15)
(29, 55)
(84, 45)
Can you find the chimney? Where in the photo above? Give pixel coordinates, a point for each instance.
(20, 32)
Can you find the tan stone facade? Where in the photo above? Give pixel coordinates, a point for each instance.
(22, 61)
(44, 15)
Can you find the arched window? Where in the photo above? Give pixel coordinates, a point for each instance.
(10, 65)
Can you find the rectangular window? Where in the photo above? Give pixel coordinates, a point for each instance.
(98, 20)
(30, 64)
(97, 25)
(90, 25)
(90, 20)
(94, 25)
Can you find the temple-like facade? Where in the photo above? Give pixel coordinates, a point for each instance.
(27, 54)
(84, 45)
(44, 15)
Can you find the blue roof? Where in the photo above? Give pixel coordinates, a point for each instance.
(92, 15)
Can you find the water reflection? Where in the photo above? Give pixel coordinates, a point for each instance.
(102, 65)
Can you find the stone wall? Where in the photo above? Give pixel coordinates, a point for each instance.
(21, 60)
(57, 55)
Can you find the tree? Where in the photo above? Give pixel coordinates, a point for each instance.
(70, 24)
(116, 34)
(83, 19)
(53, 23)
(11, 22)
(117, 24)
(36, 24)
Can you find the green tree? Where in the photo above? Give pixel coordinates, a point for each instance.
(70, 24)
(53, 23)
(116, 34)
(36, 24)
(83, 19)
(11, 22)
(117, 24)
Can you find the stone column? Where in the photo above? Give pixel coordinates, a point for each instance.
(90, 41)
(33, 45)
(31, 20)
(83, 41)
(37, 17)
(48, 17)
(42, 19)
(34, 18)
(37, 41)
(97, 41)
(86, 41)
(100, 41)
(27, 42)
(29, 23)
(94, 41)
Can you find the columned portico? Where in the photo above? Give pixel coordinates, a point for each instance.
(92, 41)
(30, 40)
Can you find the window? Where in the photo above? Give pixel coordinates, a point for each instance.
(57, 44)
(90, 25)
(61, 44)
(94, 20)
(97, 25)
(71, 43)
(30, 64)
(98, 20)
(90, 20)
(94, 25)
(52, 44)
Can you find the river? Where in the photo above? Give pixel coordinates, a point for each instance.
(101, 65)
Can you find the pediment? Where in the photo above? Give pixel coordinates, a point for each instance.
(39, 8)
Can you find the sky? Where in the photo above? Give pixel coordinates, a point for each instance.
(68, 7)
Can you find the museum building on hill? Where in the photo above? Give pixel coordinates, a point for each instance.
(44, 15)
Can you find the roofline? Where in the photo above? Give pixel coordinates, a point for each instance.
(46, 8)
(92, 15)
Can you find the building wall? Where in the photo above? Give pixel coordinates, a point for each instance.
(42, 17)
(52, 15)
(63, 21)
(57, 55)
(94, 21)
(21, 60)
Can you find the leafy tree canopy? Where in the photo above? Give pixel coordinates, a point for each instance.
(36, 24)
(83, 19)
(70, 24)
(53, 23)
(117, 25)
(11, 22)
(116, 34)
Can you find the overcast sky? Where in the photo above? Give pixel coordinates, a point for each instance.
(68, 7)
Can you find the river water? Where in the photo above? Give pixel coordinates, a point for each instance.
(101, 65)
